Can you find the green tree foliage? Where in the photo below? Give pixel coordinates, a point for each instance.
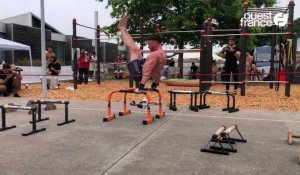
(173, 15)
(297, 25)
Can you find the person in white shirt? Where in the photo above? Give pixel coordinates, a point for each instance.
(93, 65)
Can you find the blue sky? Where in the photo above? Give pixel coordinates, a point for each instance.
(59, 13)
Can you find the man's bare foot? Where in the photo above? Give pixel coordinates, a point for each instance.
(123, 22)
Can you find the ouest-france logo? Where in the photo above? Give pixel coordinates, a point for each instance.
(264, 19)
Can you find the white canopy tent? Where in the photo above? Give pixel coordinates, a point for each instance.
(7, 45)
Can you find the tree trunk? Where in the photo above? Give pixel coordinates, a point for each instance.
(180, 59)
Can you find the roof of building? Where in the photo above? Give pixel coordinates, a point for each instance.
(19, 19)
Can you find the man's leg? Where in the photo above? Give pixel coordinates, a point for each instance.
(86, 75)
(3, 89)
(227, 78)
(235, 72)
(80, 75)
(135, 52)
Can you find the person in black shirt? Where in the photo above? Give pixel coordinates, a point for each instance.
(231, 54)
(10, 81)
(171, 63)
(193, 71)
(53, 70)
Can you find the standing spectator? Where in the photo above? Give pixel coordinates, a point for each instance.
(214, 70)
(83, 65)
(49, 54)
(231, 54)
(171, 64)
(93, 65)
(10, 81)
(249, 61)
(193, 71)
(53, 70)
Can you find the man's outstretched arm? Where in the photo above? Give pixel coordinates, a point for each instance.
(148, 67)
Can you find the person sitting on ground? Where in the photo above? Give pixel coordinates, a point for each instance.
(118, 73)
(154, 62)
(53, 70)
(10, 81)
(193, 71)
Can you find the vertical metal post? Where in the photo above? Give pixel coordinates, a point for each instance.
(98, 60)
(75, 65)
(203, 58)
(288, 66)
(142, 33)
(209, 53)
(3, 115)
(43, 48)
(242, 62)
(66, 112)
(273, 47)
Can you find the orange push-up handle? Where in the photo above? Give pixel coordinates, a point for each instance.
(149, 119)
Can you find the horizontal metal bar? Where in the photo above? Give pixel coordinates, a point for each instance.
(280, 82)
(116, 38)
(168, 32)
(177, 51)
(221, 82)
(49, 101)
(241, 82)
(217, 93)
(226, 30)
(18, 107)
(247, 34)
(183, 92)
(269, 8)
(86, 26)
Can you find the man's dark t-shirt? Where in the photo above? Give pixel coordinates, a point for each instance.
(171, 63)
(56, 66)
(231, 60)
(194, 69)
(9, 84)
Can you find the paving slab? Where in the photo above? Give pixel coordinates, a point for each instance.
(170, 145)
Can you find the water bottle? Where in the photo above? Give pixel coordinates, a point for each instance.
(144, 102)
(3, 62)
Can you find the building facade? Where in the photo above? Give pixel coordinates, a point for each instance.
(25, 29)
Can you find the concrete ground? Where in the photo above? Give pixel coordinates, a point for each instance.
(168, 146)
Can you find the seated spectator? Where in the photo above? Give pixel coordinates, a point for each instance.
(10, 81)
(193, 71)
(118, 73)
(53, 70)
